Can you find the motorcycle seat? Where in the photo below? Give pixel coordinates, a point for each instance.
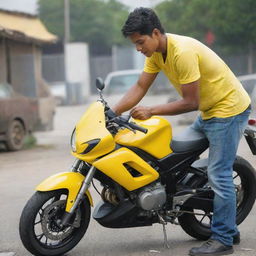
(189, 140)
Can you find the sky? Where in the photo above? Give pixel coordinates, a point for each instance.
(27, 6)
(137, 3)
(30, 6)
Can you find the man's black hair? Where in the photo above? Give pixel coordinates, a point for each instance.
(142, 20)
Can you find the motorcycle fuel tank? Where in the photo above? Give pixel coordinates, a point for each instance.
(156, 141)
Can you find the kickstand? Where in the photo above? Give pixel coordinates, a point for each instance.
(164, 223)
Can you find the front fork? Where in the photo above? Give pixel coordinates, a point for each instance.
(85, 186)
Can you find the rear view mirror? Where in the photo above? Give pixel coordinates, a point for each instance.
(100, 84)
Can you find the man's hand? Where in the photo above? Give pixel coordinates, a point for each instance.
(141, 113)
(135, 93)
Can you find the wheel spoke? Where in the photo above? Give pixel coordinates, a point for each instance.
(38, 222)
(41, 213)
(202, 218)
(45, 228)
(46, 240)
(235, 176)
(40, 236)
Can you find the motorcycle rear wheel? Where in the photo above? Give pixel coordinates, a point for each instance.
(245, 182)
(39, 229)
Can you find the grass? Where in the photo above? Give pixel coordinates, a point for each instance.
(29, 141)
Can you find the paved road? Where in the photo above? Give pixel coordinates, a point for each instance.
(21, 171)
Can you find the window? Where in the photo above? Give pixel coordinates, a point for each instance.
(5, 91)
(249, 85)
(122, 83)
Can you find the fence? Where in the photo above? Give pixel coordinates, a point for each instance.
(53, 67)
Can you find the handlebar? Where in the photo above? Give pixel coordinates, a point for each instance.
(138, 128)
(124, 121)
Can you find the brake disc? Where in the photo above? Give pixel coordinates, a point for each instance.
(51, 215)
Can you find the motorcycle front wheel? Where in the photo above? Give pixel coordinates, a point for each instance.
(39, 227)
(244, 177)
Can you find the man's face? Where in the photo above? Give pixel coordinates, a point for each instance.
(145, 44)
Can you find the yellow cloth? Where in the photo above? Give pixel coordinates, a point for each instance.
(188, 60)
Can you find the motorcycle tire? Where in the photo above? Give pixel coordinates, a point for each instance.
(39, 230)
(246, 173)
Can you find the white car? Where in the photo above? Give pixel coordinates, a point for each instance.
(119, 82)
(249, 84)
(161, 91)
(59, 92)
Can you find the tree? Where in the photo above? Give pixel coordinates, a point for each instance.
(231, 21)
(235, 25)
(235, 21)
(96, 22)
(188, 17)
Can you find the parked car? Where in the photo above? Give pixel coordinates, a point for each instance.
(249, 84)
(59, 92)
(117, 83)
(161, 91)
(18, 116)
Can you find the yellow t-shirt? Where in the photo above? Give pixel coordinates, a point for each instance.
(188, 60)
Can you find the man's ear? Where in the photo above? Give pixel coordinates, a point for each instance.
(156, 32)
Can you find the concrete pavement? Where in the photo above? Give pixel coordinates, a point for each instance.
(21, 171)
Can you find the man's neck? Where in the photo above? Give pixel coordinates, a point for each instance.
(163, 44)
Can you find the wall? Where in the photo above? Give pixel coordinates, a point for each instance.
(53, 67)
(3, 71)
(77, 70)
(22, 68)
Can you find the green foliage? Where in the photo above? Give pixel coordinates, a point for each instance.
(189, 17)
(52, 15)
(235, 22)
(97, 22)
(29, 141)
(231, 21)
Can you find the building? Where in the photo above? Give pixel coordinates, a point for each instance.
(21, 38)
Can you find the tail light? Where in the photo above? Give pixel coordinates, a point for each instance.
(252, 122)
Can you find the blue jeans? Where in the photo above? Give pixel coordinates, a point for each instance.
(224, 135)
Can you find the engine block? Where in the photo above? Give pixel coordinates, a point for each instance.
(152, 197)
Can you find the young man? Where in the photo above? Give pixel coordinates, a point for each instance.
(206, 83)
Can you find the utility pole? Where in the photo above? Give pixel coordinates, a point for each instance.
(66, 41)
(66, 22)
(250, 58)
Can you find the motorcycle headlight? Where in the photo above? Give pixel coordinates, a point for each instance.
(73, 140)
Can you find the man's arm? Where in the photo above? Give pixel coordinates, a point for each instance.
(189, 102)
(135, 93)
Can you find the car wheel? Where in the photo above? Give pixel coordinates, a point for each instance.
(15, 136)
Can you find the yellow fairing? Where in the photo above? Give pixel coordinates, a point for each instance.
(113, 166)
(156, 141)
(71, 181)
(91, 127)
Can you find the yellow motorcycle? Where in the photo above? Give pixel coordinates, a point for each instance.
(147, 176)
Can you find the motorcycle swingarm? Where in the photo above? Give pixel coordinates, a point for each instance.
(199, 203)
